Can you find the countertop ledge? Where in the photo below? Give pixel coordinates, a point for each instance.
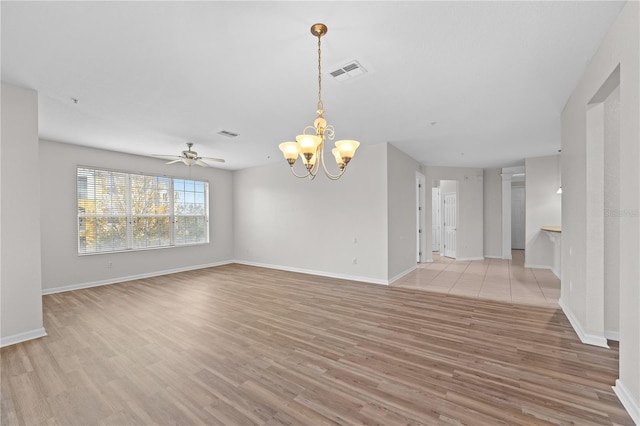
(551, 228)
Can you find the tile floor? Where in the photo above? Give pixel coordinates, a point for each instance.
(495, 279)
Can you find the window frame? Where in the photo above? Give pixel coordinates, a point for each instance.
(130, 217)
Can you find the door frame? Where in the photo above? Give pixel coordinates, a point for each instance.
(436, 219)
(421, 237)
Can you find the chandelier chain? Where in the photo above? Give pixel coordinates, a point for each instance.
(320, 104)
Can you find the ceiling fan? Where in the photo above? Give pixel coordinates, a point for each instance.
(189, 158)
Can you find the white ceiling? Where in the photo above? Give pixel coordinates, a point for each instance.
(149, 76)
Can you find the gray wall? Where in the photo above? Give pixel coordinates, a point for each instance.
(581, 295)
(20, 272)
(317, 226)
(62, 268)
(401, 205)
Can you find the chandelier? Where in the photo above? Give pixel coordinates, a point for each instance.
(310, 144)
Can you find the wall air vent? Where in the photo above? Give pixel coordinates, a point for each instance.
(348, 71)
(227, 133)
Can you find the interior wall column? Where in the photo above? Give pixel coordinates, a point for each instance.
(595, 223)
(506, 215)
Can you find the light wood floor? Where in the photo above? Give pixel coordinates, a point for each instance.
(492, 279)
(239, 345)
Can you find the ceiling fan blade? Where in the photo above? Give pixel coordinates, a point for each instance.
(199, 162)
(215, 160)
(174, 161)
(167, 157)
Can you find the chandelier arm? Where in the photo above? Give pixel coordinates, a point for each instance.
(311, 128)
(316, 165)
(328, 173)
(300, 176)
(330, 132)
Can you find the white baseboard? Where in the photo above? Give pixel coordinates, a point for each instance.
(612, 335)
(22, 337)
(627, 400)
(469, 258)
(313, 272)
(550, 268)
(589, 339)
(402, 274)
(130, 278)
(493, 257)
(533, 266)
(507, 257)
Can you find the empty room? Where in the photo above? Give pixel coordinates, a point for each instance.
(310, 213)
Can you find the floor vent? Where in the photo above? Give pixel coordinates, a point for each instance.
(348, 71)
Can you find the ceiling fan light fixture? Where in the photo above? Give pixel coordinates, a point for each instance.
(189, 158)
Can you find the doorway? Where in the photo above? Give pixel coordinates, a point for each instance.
(449, 224)
(446, 220)
(444, 217)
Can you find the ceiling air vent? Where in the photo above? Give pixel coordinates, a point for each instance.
(348, 71)
(227, 133)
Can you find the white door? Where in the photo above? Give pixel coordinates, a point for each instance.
(436, 219)
(517, 218)
(449, 223)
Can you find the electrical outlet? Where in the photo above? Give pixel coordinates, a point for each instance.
(109, 264)
(355, 260)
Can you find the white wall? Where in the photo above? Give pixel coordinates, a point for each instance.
(470, 237)
(20, 276)
(611, 219)
(401, 206)
(317, 226)
(543, 208)
(447, 187)
(492, 212)
(582, 300)
(62, 268)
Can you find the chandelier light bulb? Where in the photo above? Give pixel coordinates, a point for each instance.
(308, 144)
(290, 150)
(338, 157)
(309, 163)
(347, 149)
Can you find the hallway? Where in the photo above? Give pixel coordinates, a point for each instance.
(493, 279)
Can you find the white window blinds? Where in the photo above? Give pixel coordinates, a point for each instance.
(120, 211)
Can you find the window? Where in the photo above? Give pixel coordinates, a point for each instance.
(120, 211)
